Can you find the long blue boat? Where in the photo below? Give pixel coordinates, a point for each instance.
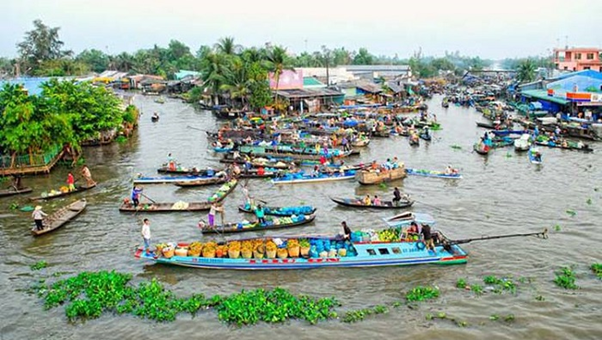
(308, 178)
(331, 252)
(431, 173)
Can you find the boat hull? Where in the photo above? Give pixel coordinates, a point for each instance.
(234, 228)
(367, 177)
(61, 217)
(348, 202)
(12, 191)
(432, 174)
(77, 189)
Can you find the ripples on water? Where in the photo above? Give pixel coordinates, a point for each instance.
(500, 194)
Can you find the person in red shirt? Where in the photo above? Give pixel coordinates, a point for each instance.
(260, 171)
(71, 182)
(322, 160)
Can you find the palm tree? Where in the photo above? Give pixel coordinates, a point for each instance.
(227, 46)
(236, 81)
(526, 71)
(213, 71)
(279, 62)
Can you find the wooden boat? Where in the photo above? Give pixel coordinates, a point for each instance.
(165, 207)
(60, 217)
(154, 119)
(533, 156)
(481, 149)
(367, 177)
(406, 218)
(47, 196)
(570, 145)
(280, 211)
(13, 191)
(169, 179)
(295, 152)
(414, 141)
(306, 178)
(272, 222)
(357, 254)
(269, 173)
(491, 126)
(431, 173)
(357, 203)
(188, 171)
(201, 182)
(360, 143)
(257, 162)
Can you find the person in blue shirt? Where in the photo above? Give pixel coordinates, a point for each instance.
(260, 214)
(136, 193)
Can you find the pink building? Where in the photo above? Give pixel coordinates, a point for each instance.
(578, 59)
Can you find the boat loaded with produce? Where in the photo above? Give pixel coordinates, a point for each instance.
(63, 191)
(389, 247)
(271, 222)
(280, 211)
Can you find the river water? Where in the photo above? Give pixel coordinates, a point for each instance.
(500, 194)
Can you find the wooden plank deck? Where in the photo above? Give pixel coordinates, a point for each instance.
(32, 170)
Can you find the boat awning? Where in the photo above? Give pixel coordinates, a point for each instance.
(543, 95)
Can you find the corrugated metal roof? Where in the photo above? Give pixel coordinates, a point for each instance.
(543, 95)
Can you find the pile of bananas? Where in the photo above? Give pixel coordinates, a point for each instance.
(388, 235)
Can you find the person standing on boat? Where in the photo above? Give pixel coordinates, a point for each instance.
(214, 209)
(428, 237)
(396, 196)
(71, 182)
(87, 176)
(136, 193)
(346, 231)
(260, 214)
(38, 216)
(17, 182)
(171, 162)
(146, 235)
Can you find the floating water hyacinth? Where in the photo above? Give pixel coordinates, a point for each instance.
(589, 201)
(456, 147)
(571, 212)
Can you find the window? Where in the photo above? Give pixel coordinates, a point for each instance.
(371, 252)
(586, 67)
(578, 56)
(383, 251)
(396, 250)
(590, 56)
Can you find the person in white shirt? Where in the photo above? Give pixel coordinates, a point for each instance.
(38, 216)
(146, 235)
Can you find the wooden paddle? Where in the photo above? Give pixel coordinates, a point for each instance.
(148, 198)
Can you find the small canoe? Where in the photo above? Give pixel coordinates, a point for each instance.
(430, 173)
(256, 163)
(201, 182)
(357, 203)
(304, 178)
(360, 143)
(281, 211)
(167, 179)
(532, 156)
(414, 142)
(481, 151)
(60, 217)
(268, 173)
(406, 218)
(62, 194)
(425, 137)
(570, 146)
(165, 207)
(12, 191)
(272, 222)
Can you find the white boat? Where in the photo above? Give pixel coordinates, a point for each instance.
(408, 217)
(523, 143)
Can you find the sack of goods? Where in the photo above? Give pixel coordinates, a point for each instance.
(180, 205)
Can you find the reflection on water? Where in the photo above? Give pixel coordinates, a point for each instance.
(498, 194)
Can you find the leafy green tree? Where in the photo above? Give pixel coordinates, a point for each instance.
(213, 69)
(97, 60)
(6, 66)
(363, 57)
(227, 46)
(40, 44)
(279, 62)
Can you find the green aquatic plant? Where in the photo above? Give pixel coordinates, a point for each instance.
(477, 289)
(90, 294)
(491, 280)
(565, 278)
(39, 265)
(121, 139)
(557, 227)
(456, 147)
(461, 283)
(589, 201)
(359, 315)
(597, 269)
(422, 293)
(571, 212)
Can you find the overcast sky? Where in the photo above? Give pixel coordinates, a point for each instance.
(490, 29)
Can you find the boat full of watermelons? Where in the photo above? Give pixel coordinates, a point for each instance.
(280, 211)
(432, 173)
(271, 222)
(366, 248)
(357, 203)
(368, 176)
(187, 171)
(61, 193)
(60, 217)
(406, 218)
(170, 179)
(201, 181)
(155, 207)
(309, 178)
(15, 191)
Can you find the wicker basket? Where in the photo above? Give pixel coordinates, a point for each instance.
(270, 254)
(257, 254)
(293, 252)
(168, 252)
(342, 252)
(233, 254)
(246, 254)
(208, 253)
(181, 251)
(282, 253)
(304, 251)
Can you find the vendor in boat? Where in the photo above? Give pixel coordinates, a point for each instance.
(396, 196)
(136, 193)
(346, 231)
(428, 237)
(70, 182)
(260, 214)
(38, 216)
(315, 172)
(215, 207)
(155, 116)
(367, 200)
(17, 182)
(87, 176)
(450, 171)
(376, 200)
(260, 171)
(171, 162)
(146, 236)
(413, 232)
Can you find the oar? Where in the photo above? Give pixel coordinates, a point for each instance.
(148, 198)
(543, 234)
(192, 127)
